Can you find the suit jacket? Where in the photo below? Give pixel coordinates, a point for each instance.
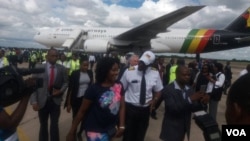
(177, 117)
(41, 95)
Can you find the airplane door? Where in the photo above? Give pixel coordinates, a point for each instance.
(216, 39)
(85, 35)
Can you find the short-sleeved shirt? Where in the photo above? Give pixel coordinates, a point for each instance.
(220, 80)
(83, 83)
(131, 81)
(7, 134)
(104, 110)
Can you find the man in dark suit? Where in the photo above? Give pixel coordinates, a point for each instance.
(179, 102)
(47, 100)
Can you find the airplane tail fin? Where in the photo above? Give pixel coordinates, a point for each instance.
(241, 24)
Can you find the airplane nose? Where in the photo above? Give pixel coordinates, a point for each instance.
(38, 37)
(35, 37)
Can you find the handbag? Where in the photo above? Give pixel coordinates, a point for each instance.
(217, 92)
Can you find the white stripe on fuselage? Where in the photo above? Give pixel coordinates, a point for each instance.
(57, 36)
(170, 41)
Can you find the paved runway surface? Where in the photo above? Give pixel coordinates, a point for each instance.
(29, 127)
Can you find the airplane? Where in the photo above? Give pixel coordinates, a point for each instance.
(155, 36)
(102, 40)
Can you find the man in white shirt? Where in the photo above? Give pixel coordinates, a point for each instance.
(139, 82)
(245, 71)
(91, 61)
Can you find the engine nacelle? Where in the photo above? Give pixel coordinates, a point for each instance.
(96, 45)
(158, 47)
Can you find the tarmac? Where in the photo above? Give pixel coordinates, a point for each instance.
(28, 129)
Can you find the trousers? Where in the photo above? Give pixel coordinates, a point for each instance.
(51, 110)
(137, 121)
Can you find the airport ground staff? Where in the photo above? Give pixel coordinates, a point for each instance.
(32, 59)
(74, 64)
(68, 54)
(44, 54)
(172, 75)
(3, 60)
(172, 71)
(63, 61)
(139, 82)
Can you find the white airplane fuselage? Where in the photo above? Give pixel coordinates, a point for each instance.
(173, 40)
(57, 36)
(153, 35)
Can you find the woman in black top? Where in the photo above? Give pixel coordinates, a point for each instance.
(103, 106)
(201, 83)
(78, 83)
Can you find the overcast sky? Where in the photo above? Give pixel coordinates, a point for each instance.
(20, 19)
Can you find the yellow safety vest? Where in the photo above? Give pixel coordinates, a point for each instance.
(13, 53)
(44, 55)
(5, 62)
(172, 75)
(69, 54)
(33, 57)
(74, 65)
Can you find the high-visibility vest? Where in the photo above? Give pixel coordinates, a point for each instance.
(65, 63)
(33, 57)
(172, 75)
(13, 53)
(74, 65)
(69, 55)
(44, 55)
(5, 61)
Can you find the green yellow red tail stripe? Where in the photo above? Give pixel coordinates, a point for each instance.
(208, 34)
(188, 40)
(196, 40)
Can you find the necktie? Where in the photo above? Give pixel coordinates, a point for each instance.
(51, 77)
(143, 90)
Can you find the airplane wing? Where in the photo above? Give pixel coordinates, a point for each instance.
(147, 31)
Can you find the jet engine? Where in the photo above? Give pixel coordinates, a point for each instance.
(96, 45)
(158, 47)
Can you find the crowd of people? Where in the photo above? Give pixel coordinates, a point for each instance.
(117, 98)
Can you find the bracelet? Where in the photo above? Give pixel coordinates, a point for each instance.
(122, 127)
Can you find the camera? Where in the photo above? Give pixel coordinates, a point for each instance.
(12, 84)
(208, 125)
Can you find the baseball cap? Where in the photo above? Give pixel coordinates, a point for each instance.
(148, 57)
